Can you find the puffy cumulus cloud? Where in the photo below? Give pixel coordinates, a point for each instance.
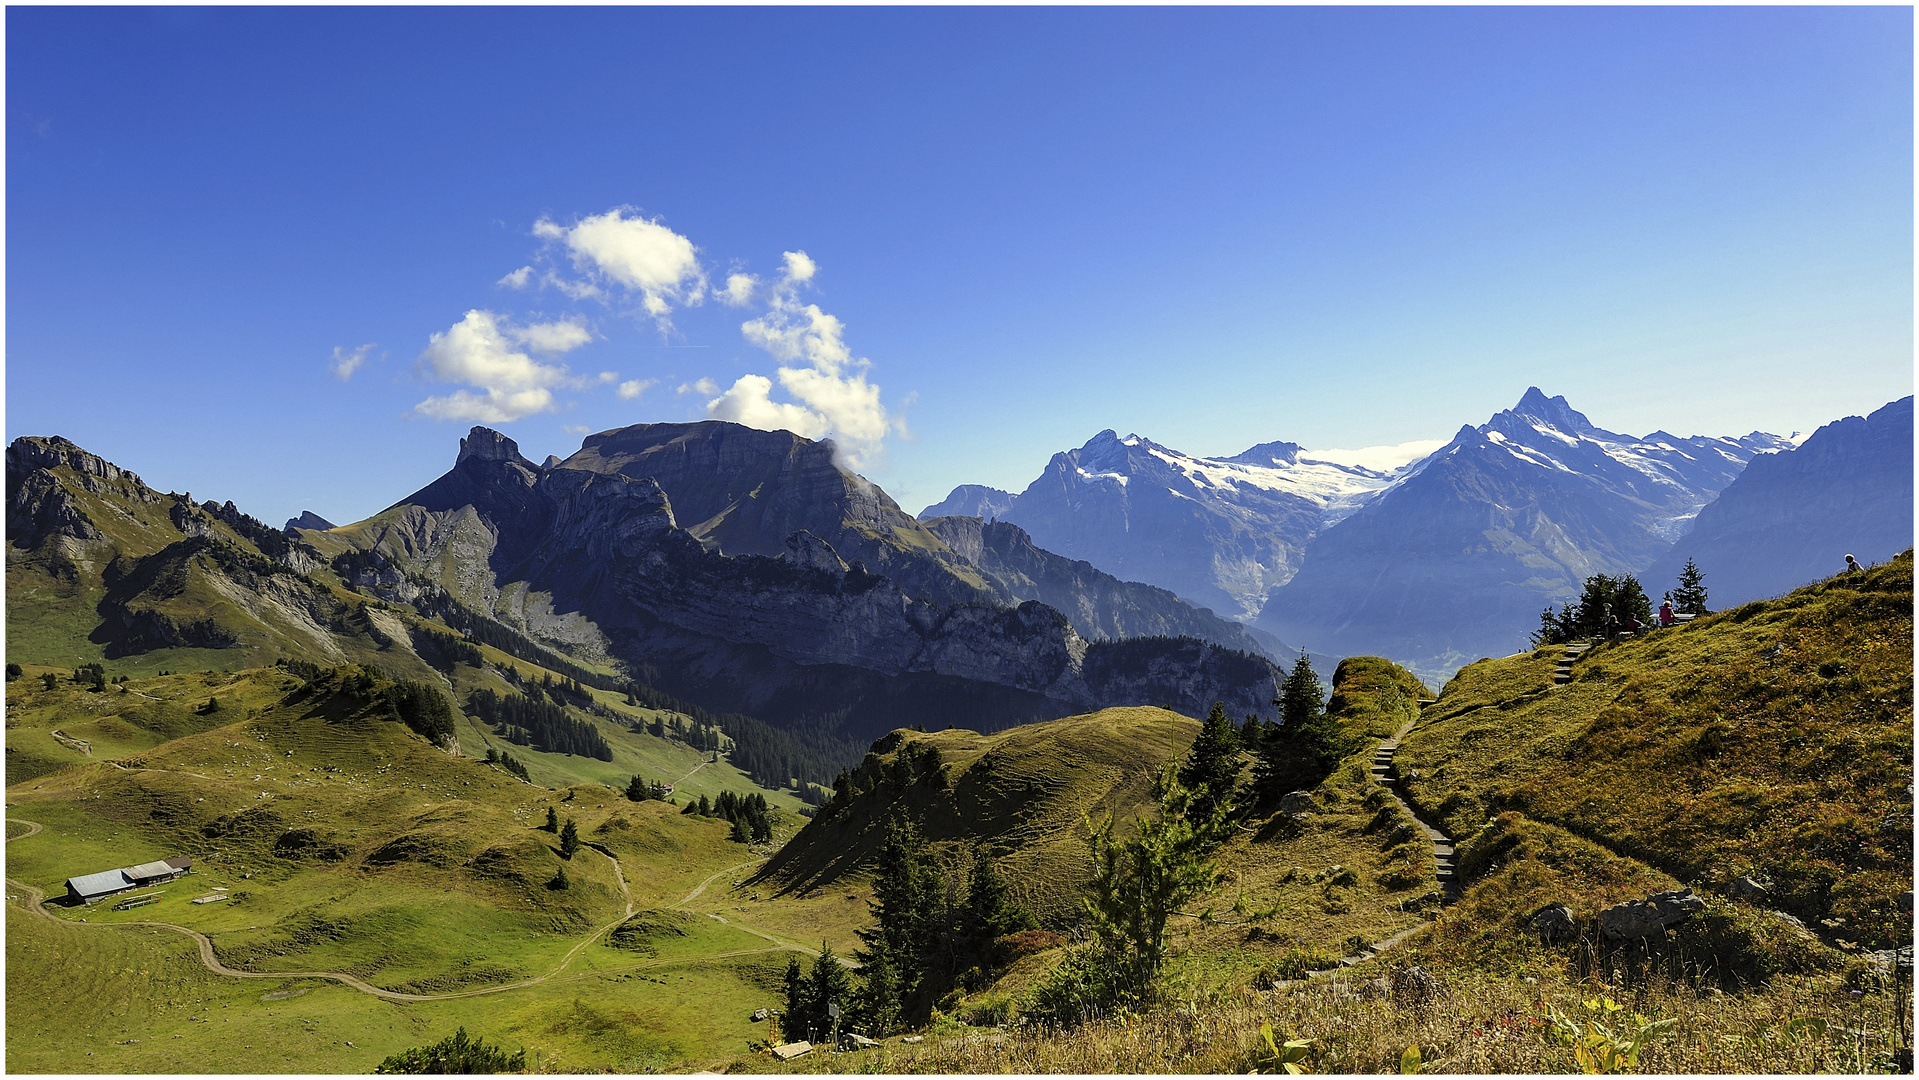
(347, 361)
(632, 389)
(739, 290)
(492, 357)
(517, 279)
(637, 255)
(833, 396)
(699, 386)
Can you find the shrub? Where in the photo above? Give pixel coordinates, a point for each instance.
(455, 1055)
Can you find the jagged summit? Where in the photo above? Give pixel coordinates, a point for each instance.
(307, 520)
(1552, 411)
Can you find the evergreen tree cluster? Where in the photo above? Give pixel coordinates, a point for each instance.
(938, 929)
(750, 815)
(916, 763)
(1605, 601)
(691, 732)
(539, 724)
(1211, 768)
(421, 707)
(640, 789)
(443, 651)
(808, 1015)
(508, 762)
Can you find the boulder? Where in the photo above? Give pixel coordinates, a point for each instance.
(1637, 919)
(1297, 802)
(1891, 962)
(1746, 888)
(1554, 922)
(1415, 985)
(1790, 920)
(761, 1014)
(789, 1051)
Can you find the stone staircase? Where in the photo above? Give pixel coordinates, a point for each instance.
(1443, 857)
(1563, 673)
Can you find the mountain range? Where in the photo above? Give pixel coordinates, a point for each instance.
(1438, 559)
(739, 569)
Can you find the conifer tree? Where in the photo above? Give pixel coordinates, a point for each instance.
(1690, 597)
(799, 1002)
(1308, 744)
(1211, 770)
(569, 840)
(552, 821)
(1138, 883)
(829, 984)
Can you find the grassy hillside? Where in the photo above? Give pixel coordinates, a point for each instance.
(1773, 740)
(347, 843)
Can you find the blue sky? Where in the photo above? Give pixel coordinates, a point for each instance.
(1010, 229)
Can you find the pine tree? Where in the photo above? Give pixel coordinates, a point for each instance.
(1211, 771)
(741, 834)
(638, 790)
(799, 1002)
(1138, 883)
(1307, 745)
(552, 820)
(991, 913)
(569, 840)
(828, 985)
(1690, 597)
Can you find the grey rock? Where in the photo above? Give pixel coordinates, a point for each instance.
(1415, 985)
(1636, 919)
(971, 500)
(1887, 962)
(761, 1014)
(1297, 802)
(861, 1042)
(1746, 888)
(1553, 923)
(307, 520)
(1790, 920)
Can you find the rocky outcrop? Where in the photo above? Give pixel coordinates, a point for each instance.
(307, 520)
(1637, 919)
(1553, 923)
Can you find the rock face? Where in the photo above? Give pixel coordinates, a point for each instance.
(1297, 802)
(1793, 516)
(1219, 532)
(1456, 560)
(1100, 605)
(1745, 888)
(1636, 919)
(663, 542)
(307, 520)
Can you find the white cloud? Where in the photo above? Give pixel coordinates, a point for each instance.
(631, 389)
(739, 290)
(638, 255)
(348, 361)
(484, 352)
(830, 384)
(699, 386)
(517, 279)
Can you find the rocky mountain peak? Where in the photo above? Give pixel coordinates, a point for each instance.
(307, 520)
(1554, 412)
(1268, 454)
(485, 444)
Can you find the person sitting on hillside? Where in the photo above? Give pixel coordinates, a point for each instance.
(1665, 614)
(1852, 566)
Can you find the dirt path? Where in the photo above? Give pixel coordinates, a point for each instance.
(694, 895)
(34, 898)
